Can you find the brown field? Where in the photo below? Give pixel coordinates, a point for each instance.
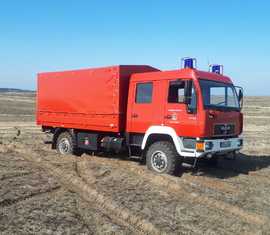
(43, 193)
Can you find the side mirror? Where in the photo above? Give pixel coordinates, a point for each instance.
(240, 95)
(188, 92)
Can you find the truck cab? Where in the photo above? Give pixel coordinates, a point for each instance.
(199, 112)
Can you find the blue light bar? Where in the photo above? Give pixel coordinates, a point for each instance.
(189, 62)
(216, 68)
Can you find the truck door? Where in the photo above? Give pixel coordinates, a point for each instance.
(178, 115)
(145, 110)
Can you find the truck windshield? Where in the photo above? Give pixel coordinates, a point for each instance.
(218, 95)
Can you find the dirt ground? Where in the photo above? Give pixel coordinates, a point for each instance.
(43, 193)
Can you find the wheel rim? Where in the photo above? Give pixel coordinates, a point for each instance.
(64, 146)
(159, 161)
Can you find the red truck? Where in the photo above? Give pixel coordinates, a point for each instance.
(163, 117)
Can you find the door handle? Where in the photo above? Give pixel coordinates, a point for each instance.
(168, 116)
(134, 115)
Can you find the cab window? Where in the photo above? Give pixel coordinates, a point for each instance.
(144, 93)
(176, 92)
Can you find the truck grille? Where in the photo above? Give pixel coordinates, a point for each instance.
(224, 129)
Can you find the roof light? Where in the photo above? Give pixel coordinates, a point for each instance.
(189, 62)
(216, 68)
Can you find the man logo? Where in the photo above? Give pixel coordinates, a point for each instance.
(225, 128)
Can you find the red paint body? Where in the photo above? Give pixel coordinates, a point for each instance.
(104, 100)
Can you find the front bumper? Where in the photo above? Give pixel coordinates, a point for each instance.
(214, 146)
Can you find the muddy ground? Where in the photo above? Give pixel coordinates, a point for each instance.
(41, 192)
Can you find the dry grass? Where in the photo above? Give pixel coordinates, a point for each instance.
(41, 192)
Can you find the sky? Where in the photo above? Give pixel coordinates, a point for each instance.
(52, 35)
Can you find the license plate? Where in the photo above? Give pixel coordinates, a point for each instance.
(225, 144)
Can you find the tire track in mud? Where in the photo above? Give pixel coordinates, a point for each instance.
(190, 180)
(210, 183)
(91, 179)
(85, 174)
(14, 175)
(256, 174)
(110, 208)
(10, 202)
(176, 189)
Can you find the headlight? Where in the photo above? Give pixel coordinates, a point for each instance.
(208, 145)
(189, 143)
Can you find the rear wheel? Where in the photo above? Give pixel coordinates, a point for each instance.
(162, 158)
(64, 144)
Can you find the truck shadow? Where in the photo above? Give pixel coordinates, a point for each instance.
(225, 168)
(243, 164)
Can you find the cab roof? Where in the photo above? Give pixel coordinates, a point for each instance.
(180, 73)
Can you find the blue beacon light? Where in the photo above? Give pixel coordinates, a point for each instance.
(216, 68)
(189, 62)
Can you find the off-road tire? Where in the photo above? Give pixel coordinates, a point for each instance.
(173, 159)
(66, 136)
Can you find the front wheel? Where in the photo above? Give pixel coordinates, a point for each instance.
(162, 158)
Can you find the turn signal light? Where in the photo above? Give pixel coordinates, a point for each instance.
(200, 146)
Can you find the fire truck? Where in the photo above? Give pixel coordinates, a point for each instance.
(161, 117)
